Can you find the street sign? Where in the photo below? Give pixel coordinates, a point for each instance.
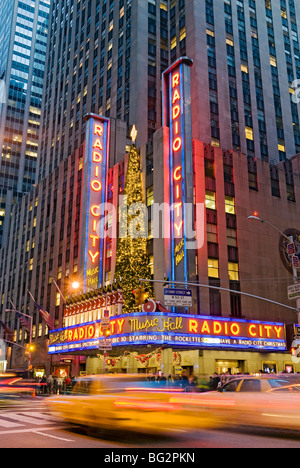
(105, 345)
(295, 261)
(291, 248)
(294, 291)
(105, 322)
(178, 297)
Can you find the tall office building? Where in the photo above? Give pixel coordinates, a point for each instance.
(23, 44)
(246, 56)
(108, 57)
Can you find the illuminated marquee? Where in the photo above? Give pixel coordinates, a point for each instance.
(94, 194)
(177, 116)
(164, 328)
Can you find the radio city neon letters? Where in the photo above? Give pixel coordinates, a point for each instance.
(224, 328)
(175, 328)
(177, 145)
(176, 111)
(96, 186)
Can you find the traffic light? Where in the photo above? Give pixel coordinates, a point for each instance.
(137, 296)
(144, 295)
(141, 295)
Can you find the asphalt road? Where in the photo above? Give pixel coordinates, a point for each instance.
(29, 425)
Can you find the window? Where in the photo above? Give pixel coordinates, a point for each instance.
(233, 270)
(57, 302)
(231, 237)
(250, 385)
(150, 196)
(210, 200)
(249, 133)
(231, 386)
(212, 233)
(213, 268)
(229, 205)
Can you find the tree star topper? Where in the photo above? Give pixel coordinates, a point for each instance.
(133, 134)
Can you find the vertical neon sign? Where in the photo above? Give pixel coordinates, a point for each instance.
(177, 169)
(94, 194)
(177, 116)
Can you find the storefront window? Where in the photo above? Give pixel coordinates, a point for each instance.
(269, 368)
(231, 367)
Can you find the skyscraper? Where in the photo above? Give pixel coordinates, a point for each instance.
(23, 39)
(108, 57)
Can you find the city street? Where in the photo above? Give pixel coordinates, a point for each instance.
(30, 426)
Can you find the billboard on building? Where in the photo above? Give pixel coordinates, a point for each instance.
(173, 329)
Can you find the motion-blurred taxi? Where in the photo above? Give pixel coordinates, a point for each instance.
(268, 403)
(127, 402)
(253, 384)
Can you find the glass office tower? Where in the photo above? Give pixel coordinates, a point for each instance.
(23, 45)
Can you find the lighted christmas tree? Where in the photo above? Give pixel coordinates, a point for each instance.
(132, 261)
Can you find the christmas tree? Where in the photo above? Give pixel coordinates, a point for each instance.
(132, 261)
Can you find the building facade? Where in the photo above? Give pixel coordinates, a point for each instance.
(45, 242)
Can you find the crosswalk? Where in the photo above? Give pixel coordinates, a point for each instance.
(22, 418)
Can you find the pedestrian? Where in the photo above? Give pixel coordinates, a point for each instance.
(43, 383)
(184, 381)
(68, 385)
(215, 381)
(192, 380)
(192, 383)
(55, 385)
(49, 384)
(59, 384)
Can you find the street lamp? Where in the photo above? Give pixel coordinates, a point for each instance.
(75, 285)
(257, 218)
(290, 239)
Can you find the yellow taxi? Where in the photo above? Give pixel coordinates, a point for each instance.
(126, 401)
